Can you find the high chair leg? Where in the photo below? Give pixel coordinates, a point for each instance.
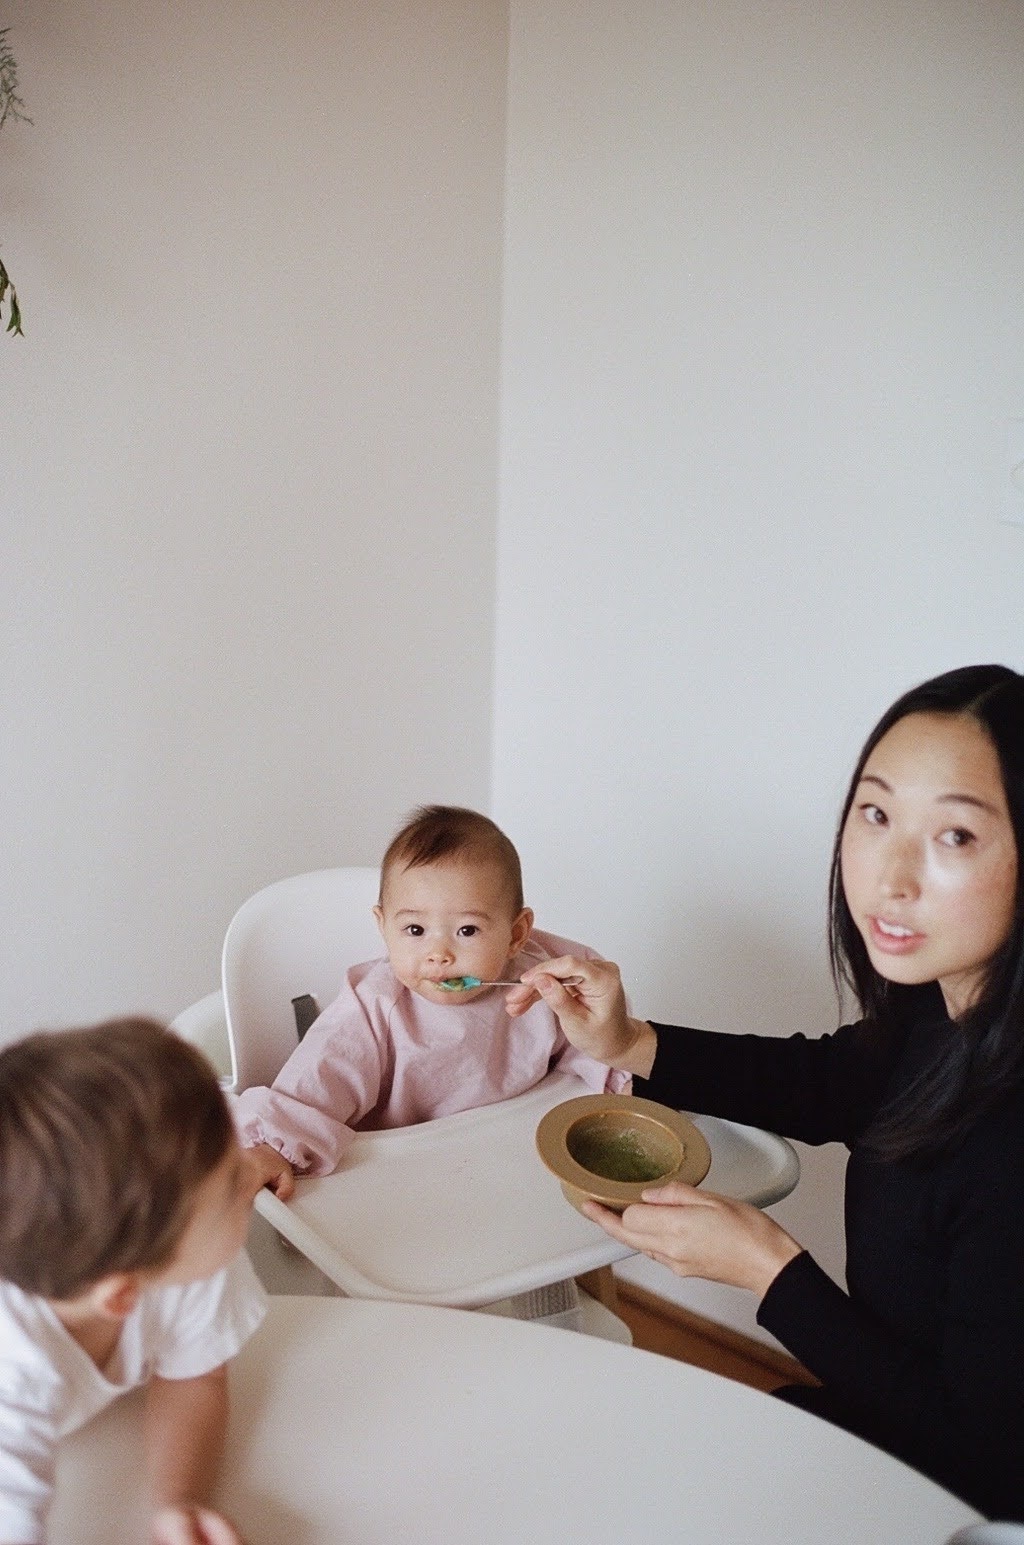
(600, 1284)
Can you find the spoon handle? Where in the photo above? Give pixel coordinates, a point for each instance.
(567, 981)
(468, 983)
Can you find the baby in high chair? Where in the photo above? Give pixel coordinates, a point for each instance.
(421, 1032)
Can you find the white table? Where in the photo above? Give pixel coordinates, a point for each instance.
(361, 1423)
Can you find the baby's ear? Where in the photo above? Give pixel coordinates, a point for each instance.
(521, 930)
(378, 913)
(116, 1296)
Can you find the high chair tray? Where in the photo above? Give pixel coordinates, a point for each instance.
(461, 1211)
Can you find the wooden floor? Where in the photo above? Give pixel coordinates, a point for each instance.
(660, 1326)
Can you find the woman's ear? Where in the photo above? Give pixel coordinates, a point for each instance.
(521, 930)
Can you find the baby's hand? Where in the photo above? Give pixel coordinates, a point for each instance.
(190, 1525)
(273, 1169)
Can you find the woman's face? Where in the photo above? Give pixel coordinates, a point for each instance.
(929, 857)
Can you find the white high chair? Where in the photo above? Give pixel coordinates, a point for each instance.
(446, 1187)
(293, 939)
(457, 1211)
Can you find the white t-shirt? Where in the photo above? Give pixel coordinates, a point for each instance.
(49, 1385)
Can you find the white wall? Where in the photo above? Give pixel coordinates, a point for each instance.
(248, 465)
(762, 332)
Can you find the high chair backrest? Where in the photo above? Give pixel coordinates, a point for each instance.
(294, 938)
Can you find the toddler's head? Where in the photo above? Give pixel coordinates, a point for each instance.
(117, 1156)
(451, 901)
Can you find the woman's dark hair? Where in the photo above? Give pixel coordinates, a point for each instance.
(973, 1069)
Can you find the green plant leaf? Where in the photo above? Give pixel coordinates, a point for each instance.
(7, 289)
(11, 106)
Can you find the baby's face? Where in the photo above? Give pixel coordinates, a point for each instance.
(217, 1229)
(450, 919)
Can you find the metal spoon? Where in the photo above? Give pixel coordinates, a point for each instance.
(465, 983)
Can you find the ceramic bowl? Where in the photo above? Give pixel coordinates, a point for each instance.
(612, 1147)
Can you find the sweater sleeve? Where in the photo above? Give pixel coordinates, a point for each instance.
(948, 1401)
(816, 1090)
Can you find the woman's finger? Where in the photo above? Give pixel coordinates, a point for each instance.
(676, 1193)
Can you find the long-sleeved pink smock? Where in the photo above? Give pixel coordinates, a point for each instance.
(382, 1056)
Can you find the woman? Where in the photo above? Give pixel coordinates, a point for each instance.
(924, 1354)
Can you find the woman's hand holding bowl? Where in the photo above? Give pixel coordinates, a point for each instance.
(699, 1234)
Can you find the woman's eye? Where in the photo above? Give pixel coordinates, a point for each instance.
(957, 837)
(873, 815)
(468, 930)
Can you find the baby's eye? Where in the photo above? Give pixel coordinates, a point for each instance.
(468, 930)
(957, 837)
(414, 930)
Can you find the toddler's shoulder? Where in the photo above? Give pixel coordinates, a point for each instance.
(31, 1344)
(183, 1329)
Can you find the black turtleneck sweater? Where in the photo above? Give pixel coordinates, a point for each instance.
(924, 1355)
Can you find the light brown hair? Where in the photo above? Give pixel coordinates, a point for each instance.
(106, 1133)
(437, 832)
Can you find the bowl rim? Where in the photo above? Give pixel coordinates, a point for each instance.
(553, 1130)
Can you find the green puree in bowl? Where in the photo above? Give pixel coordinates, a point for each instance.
(615, 1156)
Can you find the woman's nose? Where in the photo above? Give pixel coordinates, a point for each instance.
(901, 874)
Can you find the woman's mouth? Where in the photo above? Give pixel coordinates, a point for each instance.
(893, 938)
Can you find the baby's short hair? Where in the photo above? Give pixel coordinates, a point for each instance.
(106, 1133)
(436, 832)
